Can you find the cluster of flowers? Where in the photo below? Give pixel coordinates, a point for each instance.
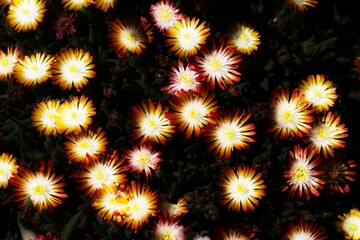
(204, 64)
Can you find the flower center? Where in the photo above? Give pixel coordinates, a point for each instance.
(73, 69)
(352, 226)
(74, 115)
(229, 134)
(4, 62)
(144, 159)
(25, 11)
(167, 235)
(2, 171)
(84, 144)
(215, 63)
(187, 36)
(301, 173)
(165, 14)
(288, 116)
(39, 189)
(186, 78)
(322, 132)
(241, 188)
(100, 175)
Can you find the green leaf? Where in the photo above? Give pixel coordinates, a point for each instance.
(71, 225)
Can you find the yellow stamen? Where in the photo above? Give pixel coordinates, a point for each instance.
(301, 173)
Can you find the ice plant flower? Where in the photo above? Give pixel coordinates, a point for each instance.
(303, 177)
(229, 232)
(105, 5)
(33, 69)
(72, 68)
(143, 204)
(42, 186)
(164, 14)
(301, 5)
(81, 147)
(245, 39)
(149, 123)
(103, 170)
(182, 77)
(174, 210)
(44, 115)
(168, 229)
(74, 114)
(186, 36)
(291, 114)
(190, 111)
(132, 35)
(319, 92)
(8, 61)
(218, 64)
(111, 203)
(240, 188)
(65, 25)
(349, 224)
(327, 134)
(8, 167)
(76, 5)
(226, 130)
(142, 159)
(24, 15)
(302, 229)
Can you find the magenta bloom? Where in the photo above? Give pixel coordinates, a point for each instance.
(65, 25)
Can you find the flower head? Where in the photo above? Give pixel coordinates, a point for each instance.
(103, 170)
(174, 210)
(218, 64)
(186, 36)
(34, 69)
(105, 5)
(44, 117)
(182, 77)
(319, 93)
(292, 116)
(149, 123)
(142, 159)
(164, 14)
(142, 205)
(131, 35)
(65, 25)
(8, 167)
(81, 147)
(24, 15)
(168, 229)
(245, 39)
(76, 5)
(302, 229)
(327, 134)
(8, 61)
(241, 188)
(235, 232)
(190, 111)
(72, 68)
(301, 5)
(41, 186)
(302, 175)
(349, 223)
(74, 114)
(226, 130)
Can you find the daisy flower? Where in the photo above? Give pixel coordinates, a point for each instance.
(168, 229)
(149, 123)
(76, 5)
(227, 130)
(142, 205)
(34, 69)
(111, 202)
(103, 170)
(186, 36)
(8, 167)
(301, 5)
(218, 64)
(228, 232)
(291, 114)
(44, 116)
(24, 15)
(175, 210)
(182, 77)
(164, 14)
(302, 229)
(319, 93)
(105, 5)
(75, 114)
(142, 159)
(303, 178)
(241, 188)
(133, 35)
(349, 223)
(190, 111)
(81, 147)
(327, 134)
(8, 61)
(42, 187)
(72, 68)
(243, 38)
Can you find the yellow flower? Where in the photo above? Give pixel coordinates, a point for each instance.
(241, 188)
(243, 38)
(44, 117)
(105, 5)
(300, 229)
(8, 167)
(186, 36)
(72, 68)
(301, 5)
(34, 69)
(349, 223)
(164, 14)
(8, 61)
(24, 15)
(76, 5)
